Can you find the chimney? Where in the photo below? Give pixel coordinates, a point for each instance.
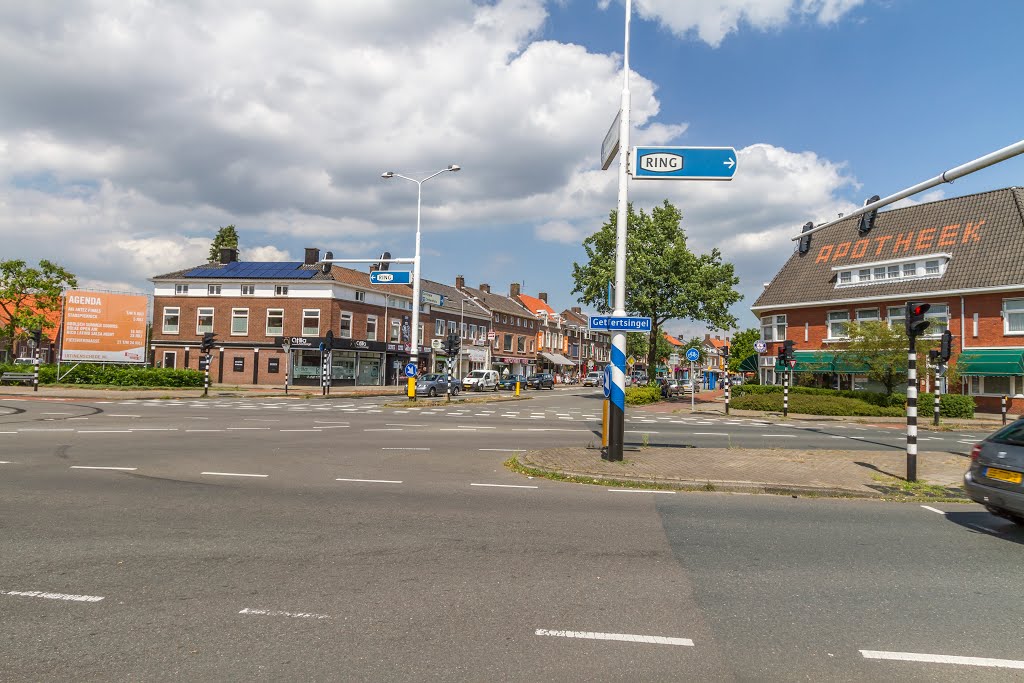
(460, 282)
(484, 287)
(312, 256)
(228, 255)
(513, 289)
(543, 296)
(577, 310)
(718, 337)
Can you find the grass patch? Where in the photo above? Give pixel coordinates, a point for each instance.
(514, 465)
(895, 488)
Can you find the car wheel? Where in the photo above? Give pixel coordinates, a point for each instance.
(432, 392)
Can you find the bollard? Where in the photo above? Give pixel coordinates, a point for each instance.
(1002, 407)
(517, 387)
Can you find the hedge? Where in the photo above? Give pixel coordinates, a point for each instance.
(115, 375)
(638, 396)
(950, 405)
(809, 404)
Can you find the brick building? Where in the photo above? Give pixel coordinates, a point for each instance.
(963, 256)
(550, 337)
(588, 349)
(514, 346)
(462, 313)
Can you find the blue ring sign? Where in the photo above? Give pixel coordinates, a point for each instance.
(410, 370)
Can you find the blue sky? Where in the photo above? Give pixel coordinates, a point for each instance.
(130, 136)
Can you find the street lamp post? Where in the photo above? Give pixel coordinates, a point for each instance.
(414, 351)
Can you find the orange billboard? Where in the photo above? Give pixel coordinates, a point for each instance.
(104, 328)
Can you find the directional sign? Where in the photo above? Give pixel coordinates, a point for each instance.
(684, 163)
(607, 384)
(760, 346)
(612, 323)
(692, 355)
(610, 144)
(410, 370)
(431, 298)
(390, 277)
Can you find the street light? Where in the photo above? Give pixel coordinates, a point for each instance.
(414, 334)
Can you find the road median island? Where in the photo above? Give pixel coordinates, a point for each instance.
(830, 473)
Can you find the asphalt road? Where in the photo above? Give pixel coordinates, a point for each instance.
(317, 540)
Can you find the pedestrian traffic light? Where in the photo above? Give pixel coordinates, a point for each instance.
(787, 347)
(916, 323)
(208, 341)
(782, 356)
(867, 220)
(452, 345)
(945, 346)
(37, 335)
(805, 241)
(329, 340)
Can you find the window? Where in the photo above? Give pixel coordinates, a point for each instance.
(360, 296)
(463, 330)
(453, 326)
(171, 317)
(396, 330)
(419, 333)
(248, 290)
(371, 328)
(865, 315)
(531, 324)
(204, 320)
(311, 321)
(931, 267)
(213, 290)
(1013, 316)
(928, 266)
(438, 328)
(894, 271)
(773, 328)
(472, 332)
(280, 290)
(275, 322)
(897, 316)
(345, 329)
(504, 319)
(992, 386)
(909, 269)
(938, 316)
(880, 273)
(532, 346)
(508, 342)
(837, 324)
(239, 321)
(864, 275)
(521, 344)
(181, 289)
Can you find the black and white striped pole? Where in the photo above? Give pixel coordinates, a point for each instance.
(916, 324)
(725, 354)
(933, 361)
(206, 375)
(35, 367)
(1002, 405)
(287, 348)
(448, 384)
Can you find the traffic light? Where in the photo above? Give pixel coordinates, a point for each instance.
(326, 267)
(208, 341)
(787, 347)
(329, 340)
(945, 346)
(916, 324)
(782, 356)
(452, 345)
(867, 220)
(805, 242)
(384, 263)
(37, 335)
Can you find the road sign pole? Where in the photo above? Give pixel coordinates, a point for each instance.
(35, 372)
(937, 408)
(912, 411)
(206, 376)
(786, 378)
(727, 384)
(617, 411)
(448, 385)
(693, 387)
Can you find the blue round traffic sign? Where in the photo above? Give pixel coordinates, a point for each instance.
(760, 346)
(692, 355)
(607, 387)
(410, 369)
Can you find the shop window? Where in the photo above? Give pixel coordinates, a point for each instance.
(275, 322)
(1013, 316)
(994, 386)
(204, 320)
(172, 316)
(239, 321)
(311, 322)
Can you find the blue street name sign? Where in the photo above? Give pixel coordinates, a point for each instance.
(410, 370)
(611, 323)
(684, 163)
(692, 355)
(390, 277)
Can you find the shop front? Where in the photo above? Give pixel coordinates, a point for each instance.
(354, 362)
(397, 357)
(512, 365)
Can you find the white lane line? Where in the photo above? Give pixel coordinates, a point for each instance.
(779, 436)
(472, 427)
(381, 429)
(503, 450)
(53, 596)
(457, 429)
(943, 659)
(258, 419)
(372, 481)
(116, 415)
(331, 427)
(35, 429)
(234, 474)
(399, 424)
(8, 432)
(5, 462)
(710, 434)
(297, 430)
(639, 431)
(638, 491)
(626, 637)
(926, 507)
(203, 430)
(103, 431)
(403, 448)
(506, 486)
(154, 429)
(94, 467)
(236, 429)
(279, 613)
(57, 413)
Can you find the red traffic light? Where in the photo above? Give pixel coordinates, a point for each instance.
(920, 309)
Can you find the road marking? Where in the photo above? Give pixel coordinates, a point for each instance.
(57, 413)
(245, 428)
(35, 429)
(506, 486)
(103, 431)
(710, 434)
(203, 430)
(504, 450)
(278, 613)
(780, 436)
(116, 415)
(8, 432)
(638, 491)
(403, 448)
(933, 509)
(377, 429)
(298, 430)
(5, 462)
(372, 481)
(626, 637)
(233, 474)
(943, 659)
(862, 438)
(53, 596)
(457, 429)
(94, 467)
(154, 429)
(472, 427)
(398, 424)
(636, 431)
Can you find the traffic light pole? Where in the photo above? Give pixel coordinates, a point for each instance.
(206, 375)
(727, 382)
(912, 411)
(35, 369)
(938, 394)
(785, 392)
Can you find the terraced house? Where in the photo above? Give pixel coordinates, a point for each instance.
(963, 256)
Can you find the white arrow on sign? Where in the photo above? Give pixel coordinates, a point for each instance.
(729, 162)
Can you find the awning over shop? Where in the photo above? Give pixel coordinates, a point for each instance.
(749, 364)
(825, 362)
(557, 358)
(991, 362)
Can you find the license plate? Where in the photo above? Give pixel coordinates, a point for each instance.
(1003, 475)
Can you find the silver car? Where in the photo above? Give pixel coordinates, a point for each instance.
(997, 471)
(435, 384)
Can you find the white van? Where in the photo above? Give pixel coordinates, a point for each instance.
(481, 380)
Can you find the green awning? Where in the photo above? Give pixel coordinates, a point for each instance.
(749, 364)
(824, 363)
(991, 362)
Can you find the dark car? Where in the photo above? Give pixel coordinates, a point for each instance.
(669, 387)
(510, 382)
(541, 380)
(995, 476)
(435, 384)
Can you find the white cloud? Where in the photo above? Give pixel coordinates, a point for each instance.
(924, 198)
(266, 253)
(560, 231)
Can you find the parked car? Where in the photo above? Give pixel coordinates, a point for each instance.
(669, 387)
(996, 474)
(434, 384)
(24, 361)
(593, 379)
(541, 380)
(510, 382)
(639, 379)
(481, 380)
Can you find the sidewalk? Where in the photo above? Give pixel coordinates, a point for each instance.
(822, 472)
(218, 391)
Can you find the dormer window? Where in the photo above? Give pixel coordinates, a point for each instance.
(928, 266)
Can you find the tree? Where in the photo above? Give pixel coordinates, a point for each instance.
(742, 347)
(637, 344)
(27, 294)
(664, 279)
(883, 349)
(227, 238)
